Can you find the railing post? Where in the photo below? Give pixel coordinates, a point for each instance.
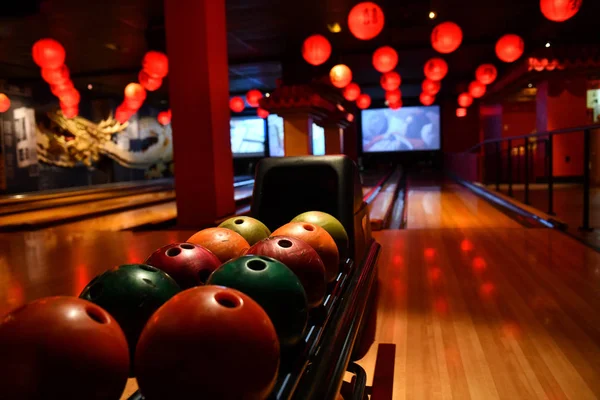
(498, 165)
(510, 191)
(586, 181)
(526, 198)
(550, 176)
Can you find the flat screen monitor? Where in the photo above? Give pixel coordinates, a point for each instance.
(275, 123)
(247, 136)
(318, 140)
(406, 129)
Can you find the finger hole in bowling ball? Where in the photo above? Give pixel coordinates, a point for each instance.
(173, 252)
(286, 244)
(149, 282)
(227, 300)
(148, 268)
(256, 265)
(187, 246)
(238, 221)
(96, 315)
(308, 227)
(96, 291)
(203, 275)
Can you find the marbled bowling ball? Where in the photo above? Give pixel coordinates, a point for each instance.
(187, 263)
(131, 293)
(208, 342)
(224, 243)
(62, 348)
(272, 285)
(250, 228)
(332, 225)
(302, 259)
(318, 239)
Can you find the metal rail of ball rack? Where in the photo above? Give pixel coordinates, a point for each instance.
(315, 368)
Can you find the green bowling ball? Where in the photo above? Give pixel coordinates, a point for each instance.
(331, 225)
(274, 287)
(250, 228)
(131, 293)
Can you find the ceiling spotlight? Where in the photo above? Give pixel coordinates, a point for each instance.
(432, 15)
(530, 85)
(90, 86)
(547, 44)
(267, 94)
(334, 28)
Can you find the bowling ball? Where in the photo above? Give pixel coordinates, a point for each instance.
(209, 341)
(331, 225)
(318, 239)
(272, 285)
(224, 243)
(131, 293)
(62, 348)
(302, 259)
(188, 264)
(250, 228)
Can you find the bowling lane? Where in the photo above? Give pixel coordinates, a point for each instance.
(489, 313)
(444, 204)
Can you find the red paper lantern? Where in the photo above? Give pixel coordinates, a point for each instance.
(70, 112)
(431, 87)
(385, 59)
(396, 106)
(366, 20)
(156, 64)
(465, 100)
(48, 53)
(122, 113)
(149, 83)
(461, 112)
(351, 92)
(253, 96)
(261, 112)
(390, 81)
(559, 10)
(393, 96)
(486, 73)
(476, 89)
(70, 98)
(164, 117)
(436, 69)
(236, 104)
(363, 101)
(510, 47)
(446, 37)
(60, 89)
(135, 95)
(316, 49)
(55, 76)
(4, 103)
(340, 76)
(426, 99)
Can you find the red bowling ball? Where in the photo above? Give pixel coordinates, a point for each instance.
(62, 348)
(208, 342)
(188, 264)
(302, 259)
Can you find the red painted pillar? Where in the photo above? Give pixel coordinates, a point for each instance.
(199, 97)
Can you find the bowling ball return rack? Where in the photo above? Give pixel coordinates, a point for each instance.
(284, 188)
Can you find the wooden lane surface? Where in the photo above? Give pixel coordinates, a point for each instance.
(450, 205)
(489, 313)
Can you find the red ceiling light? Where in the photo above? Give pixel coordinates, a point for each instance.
(559, 10)
(446, 37)
(149, 83)
(363, 101)
(60, 89)
(510, 47)
(436, 69)
(135, 95)
(48, 53)
(431, 87)
(476, 89)
(465, 100)
(316, 49)
(70, 98)
(486, 73)
(261, 112)
(4, 103)
(351, 92)
(253, 96)
(385, 59)
(366, 20)
(461, 112)
(340, 76)
(390, 81)
(55, 76)
(236, 104)
(393, 96)
(396, 106)
(70, 112)
(122, 114)
(156, 64)
(426, 99)
(164, 117)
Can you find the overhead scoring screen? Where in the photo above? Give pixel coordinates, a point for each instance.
(406, 129)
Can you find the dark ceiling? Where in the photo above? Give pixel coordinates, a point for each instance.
(106, 39)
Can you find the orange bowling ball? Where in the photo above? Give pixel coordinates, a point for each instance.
(318, 239)
(224, 243)
(208, 342)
